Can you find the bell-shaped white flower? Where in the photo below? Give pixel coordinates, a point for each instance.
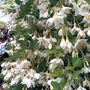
(60, 32)
(81, 34)
(73, 54)
(50, 46)
(88, 32)
(81, 88)
(63, 43)
(86, 83)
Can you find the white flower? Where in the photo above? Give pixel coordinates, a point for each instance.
(86, 83)
(81, 43)
(81, 88)
(88, 47)
(37, 75)
(86, 69)
(81, 34)
(88, 31)
(87, 18)
(28, 82)
(65, 10)
(50, 46)
(55, 80)
(58, 20)
(13, 43)
(60, 32)
(73, 30)
(17, 7)
(5, 85)
(54, 62)
(8, 75)
(13, 82)
(12, 16)
(63, 44)
(25, 63)
(44, 13)
(16, 15)
(75, 8)
(3, 64)
(43, 5)
(4, 72)
(73, 54)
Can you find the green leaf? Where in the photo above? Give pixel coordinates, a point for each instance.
(65, 20)
(75, 74)
(30, 21)
(68, 68)
(56, 34)
(57, 73)
(53, 51)
(1, 77)
(55, 85)
(9, 46)
(18, 86)
(41, 18)
(63, 81)
(21, 15)
(18, 28)
(53, 1)
(35, 13)
(23, 7)
(14, 32)
(18, 2)
(7, 59)
(75, 61)
(29, 3)
(33, 44)
(88, 1)
(79, 18)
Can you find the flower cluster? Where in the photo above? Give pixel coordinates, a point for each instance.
(50, 48)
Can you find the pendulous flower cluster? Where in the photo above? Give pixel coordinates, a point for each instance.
(50, 49)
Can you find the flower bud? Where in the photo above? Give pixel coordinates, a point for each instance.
(63, 44)
(50, 46)
(88, 32)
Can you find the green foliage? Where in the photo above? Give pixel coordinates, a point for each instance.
(53, 2)
(75, 61)
(1, 77)
(58, 73)
(18, 2)
(75, 74)
(55, 85)
(29, 3)
(56, 34)
(68, 68)
(33, 44)
(88, 1)
(18, 86)
(9, 46)
(23, 8)
(53, 51)
(42, 67)
(41, 18)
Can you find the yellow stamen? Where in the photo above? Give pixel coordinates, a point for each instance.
(25, 64)
(57, 19)
(74, 30)
(88, 16)
(86, 8)
(43, 11)
(73, 8)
